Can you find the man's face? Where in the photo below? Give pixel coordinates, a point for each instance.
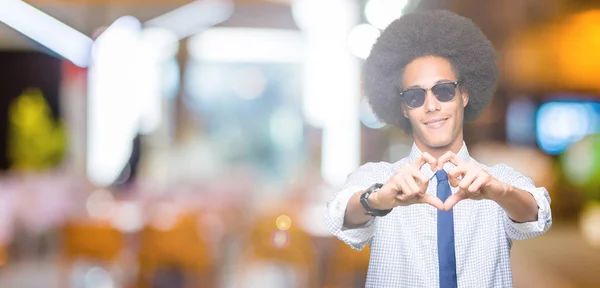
(435, 124)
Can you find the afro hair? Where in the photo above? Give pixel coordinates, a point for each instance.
(429, 33)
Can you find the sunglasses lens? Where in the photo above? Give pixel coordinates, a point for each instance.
(414, 97)
(444, 92)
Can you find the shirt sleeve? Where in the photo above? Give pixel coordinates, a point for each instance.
(359, 180)
(526, 230)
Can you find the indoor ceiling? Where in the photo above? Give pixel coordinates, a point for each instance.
(87, 16)
(497, 18)
(501, 20)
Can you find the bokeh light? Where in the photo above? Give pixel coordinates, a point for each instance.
(361, 40)
(251, 83)
(280, 239)
(380, 13)
(520, 121)
(590, 224)
(581, 165)
(367, 117)
(100, 204)
(165, 216)
(98, 277)
(560, 124)
(283, 222)
(127, 217)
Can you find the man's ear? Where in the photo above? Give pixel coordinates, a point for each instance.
(465, 98)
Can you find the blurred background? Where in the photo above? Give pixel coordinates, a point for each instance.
(177, 143)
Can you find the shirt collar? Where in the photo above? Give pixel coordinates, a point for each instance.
(415, 152)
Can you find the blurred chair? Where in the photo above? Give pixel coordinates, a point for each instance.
(92, 241)
(346, 267)
(277, 258)
(175, 256)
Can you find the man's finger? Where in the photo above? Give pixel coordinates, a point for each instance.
(455, 173)
(432, 200)
(420, 177)
(476, 185)
(425, 158)
(450, 157)
(406, 192)
(467, 180)
(453, 199)
(412, 184)
(421, 180)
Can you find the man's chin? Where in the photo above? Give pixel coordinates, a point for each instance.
(438, 143)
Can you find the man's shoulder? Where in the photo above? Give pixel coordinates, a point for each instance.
(380, 167)
(370, 166)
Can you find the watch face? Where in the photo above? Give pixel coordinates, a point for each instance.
(364, 201)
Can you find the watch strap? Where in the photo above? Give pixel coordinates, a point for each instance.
(364, 201)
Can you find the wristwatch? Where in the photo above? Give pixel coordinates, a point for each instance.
(364, 200)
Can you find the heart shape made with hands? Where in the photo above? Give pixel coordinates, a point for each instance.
(472, 180)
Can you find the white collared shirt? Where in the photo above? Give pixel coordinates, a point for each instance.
(404, 243)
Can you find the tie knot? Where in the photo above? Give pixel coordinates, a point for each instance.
(441, 175)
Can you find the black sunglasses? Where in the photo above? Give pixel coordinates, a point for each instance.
(415, 97)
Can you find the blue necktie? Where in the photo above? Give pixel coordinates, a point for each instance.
(445, 230)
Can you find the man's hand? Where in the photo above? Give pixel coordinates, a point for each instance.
(408, 186)
(473, 181)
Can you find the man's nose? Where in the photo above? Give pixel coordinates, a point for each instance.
(431, 102)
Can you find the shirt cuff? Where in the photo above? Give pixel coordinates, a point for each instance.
(543, 216)
(356, 237)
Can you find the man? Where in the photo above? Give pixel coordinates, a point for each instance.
(436, 218)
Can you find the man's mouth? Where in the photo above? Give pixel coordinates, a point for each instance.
(435, 123)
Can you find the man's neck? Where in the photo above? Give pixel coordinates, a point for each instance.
(437, 152)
